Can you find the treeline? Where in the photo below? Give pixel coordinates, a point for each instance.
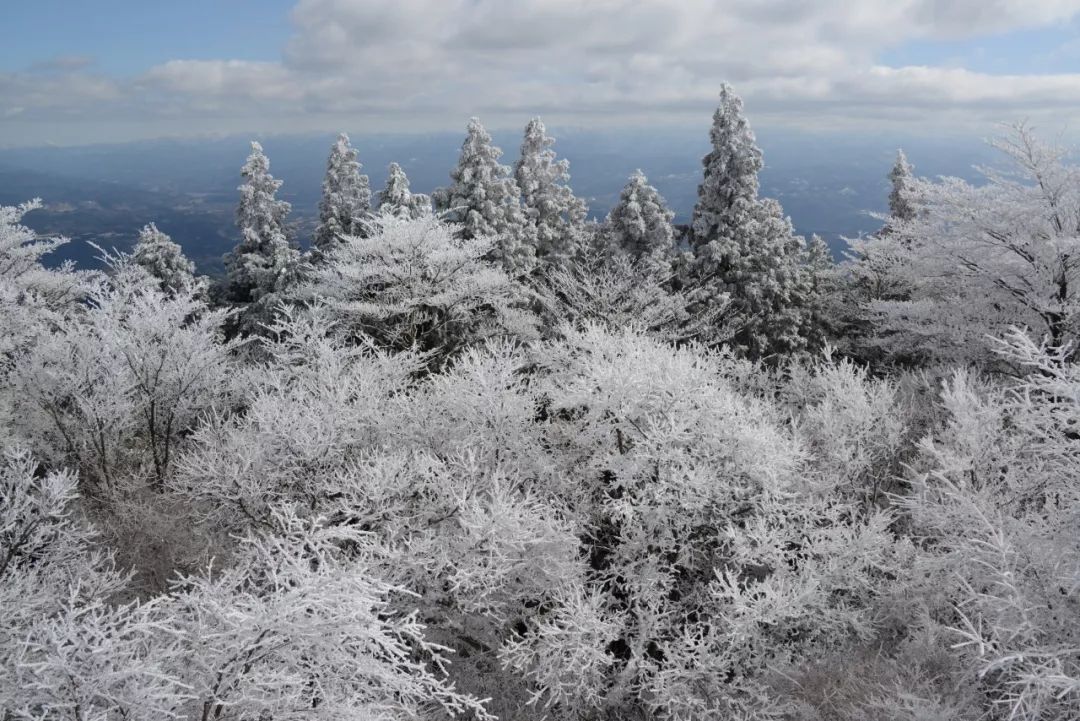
(476, 456)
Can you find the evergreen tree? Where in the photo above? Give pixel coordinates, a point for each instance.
(825, 316)
(743, 245)
(346, 197)
(397, 200)
(263, 262)
(730, 183)
(163, 259)
(550, 203)
(639, 226)
(902, 177)
(484, 200)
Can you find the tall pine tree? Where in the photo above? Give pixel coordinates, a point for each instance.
(550, 203)
(346, 197)
(264, 262)
(484, 200)
(902, 177)
(743, 245)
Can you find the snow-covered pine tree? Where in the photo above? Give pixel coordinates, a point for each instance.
(745, 245)
(164, 260)
(639, 226)
(264, 261)
(550, 203)
(902, 177)
(485, 201)
(346, 197)
(731, 172)
(398, 200)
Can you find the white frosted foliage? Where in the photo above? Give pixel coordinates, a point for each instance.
(346, 197)
(398, 200)
(550, 203)
(264, 262)
(639, 226)
(164, 260)
(484, 200)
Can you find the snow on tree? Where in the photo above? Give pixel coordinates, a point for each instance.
(396, 199)
(420, 282)
(874, 270)
(264, 263)
(743, 244)
(164, 260)
(300, 627)
(113, 391)
(33, 298)
(731, 182)
(24, 279)
(619, 293)
(663, 625)
(976, 260)
(999, 497)
(65, 649)
(550, 203)
(345, 205)
(639, 226)
(485, 202)
(902, 177)
(822, 309)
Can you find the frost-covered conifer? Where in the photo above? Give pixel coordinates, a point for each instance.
(902, 177)
(743, 244)
(398, 200)
(264, 262)
(485, 201)
(163, 259)
(550, 203)
(639, 226)
(346, 197)
(731, 172)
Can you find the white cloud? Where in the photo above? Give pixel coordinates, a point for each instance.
(432, 63)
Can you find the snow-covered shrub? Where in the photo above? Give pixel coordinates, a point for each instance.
(853, 425)
(998, 508)
(113, 390)
(64, 652)
(300, 627)
(618, 293)
(316, 405)
(711, 558)
(412, 284)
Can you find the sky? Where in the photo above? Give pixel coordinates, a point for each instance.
(78, 72)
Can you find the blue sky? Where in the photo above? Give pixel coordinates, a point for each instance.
(125, 37)
(74, 71)
(1053, 49)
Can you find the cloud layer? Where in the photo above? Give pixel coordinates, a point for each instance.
(414, 64)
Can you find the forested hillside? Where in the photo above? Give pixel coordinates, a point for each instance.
(478, 454)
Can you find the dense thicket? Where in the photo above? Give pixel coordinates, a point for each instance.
(505, 463)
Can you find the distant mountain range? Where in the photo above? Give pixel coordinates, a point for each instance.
(828, 183)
